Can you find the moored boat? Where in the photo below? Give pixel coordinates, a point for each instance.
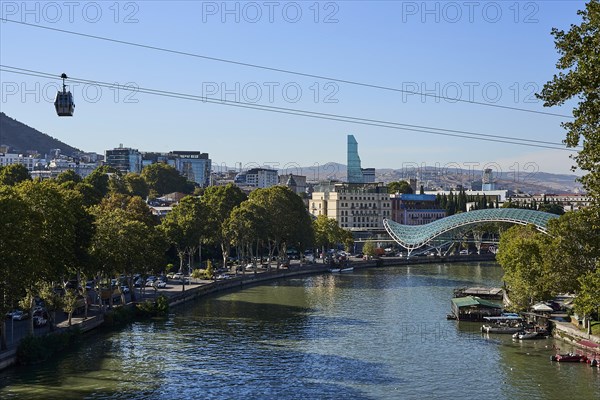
(506, 324)
(569, 357)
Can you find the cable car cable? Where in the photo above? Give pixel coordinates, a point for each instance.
(312, 114)
(285, 71)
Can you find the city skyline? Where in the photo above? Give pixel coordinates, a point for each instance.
(496, 60)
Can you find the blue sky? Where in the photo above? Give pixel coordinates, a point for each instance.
(491, 52)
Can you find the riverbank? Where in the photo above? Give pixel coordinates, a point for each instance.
(202, 288)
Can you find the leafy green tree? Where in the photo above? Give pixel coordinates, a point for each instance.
(220, 202)
(327, 232)
(18, 246)
(552, 208)
(99, 180)
(68, 176)
(55, 254)
(288, 221)
(122, 245)
(587, 301)
(369, 248)
(14, 174)
(247, 227)
(184, 227)
(579, 79)
(135, 207)
(136, 185)
(400, 187)
(522, 259)
(163, 179)
(573, 248)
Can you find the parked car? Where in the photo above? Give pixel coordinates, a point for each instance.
(19, 315)
(161, 284)
(177, 276)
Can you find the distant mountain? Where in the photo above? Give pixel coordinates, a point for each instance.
(22, 138)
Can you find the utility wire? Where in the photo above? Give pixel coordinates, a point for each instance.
(284, 71)
(312, 114)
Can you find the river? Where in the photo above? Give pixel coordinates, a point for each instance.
(372, 334)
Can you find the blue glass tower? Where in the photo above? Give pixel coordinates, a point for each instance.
(355, 174)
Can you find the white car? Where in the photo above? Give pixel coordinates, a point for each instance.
(161, 284)
(250, 267)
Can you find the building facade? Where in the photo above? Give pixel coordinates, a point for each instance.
(124, 159)
(194, 165)
(30, 162)
(415, 209)
(354, 170)
(355, 206)
(257, 178)
(296, 183)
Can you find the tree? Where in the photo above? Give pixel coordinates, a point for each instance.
(55, 256)
(184, 228)
(400, 187)
(579, 78)
(587, 301)
(99, 179)
(573, 248)
(163, 179)
(136, 185)
(220, 202)
(122, 245)
(552, 208)
(18, 243)
(14, 174)
(288, 221)
(246, 227)
(521, 258)
(68, 176)
(369, 248)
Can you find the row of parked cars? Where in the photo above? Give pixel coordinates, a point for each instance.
(40, 316)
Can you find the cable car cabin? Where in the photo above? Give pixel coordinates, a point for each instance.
(64, 104)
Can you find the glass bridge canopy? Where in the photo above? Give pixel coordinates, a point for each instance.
(414, 236)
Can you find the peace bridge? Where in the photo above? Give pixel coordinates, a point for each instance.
(412, 237)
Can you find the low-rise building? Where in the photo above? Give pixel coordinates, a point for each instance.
(415, 209)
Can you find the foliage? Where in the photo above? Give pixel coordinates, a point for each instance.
(327, 232)
(525, 272)
(99, 178)
(573, 248)
(587, 301)
(153, 308)
(14, 174)
(68, 176)
(163, 179)
(369, 248)
(579, 79)
(209, 271)
(220, 202)
(184, 226)
(400, 187)
(34, 349)
(288, 223)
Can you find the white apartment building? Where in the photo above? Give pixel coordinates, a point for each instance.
(355, 206)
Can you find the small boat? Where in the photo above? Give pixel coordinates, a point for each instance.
(506, 329)
(335, 270)
(450, 316)
(349, 269)
(507, 324)
(569, 357)
(527, 335)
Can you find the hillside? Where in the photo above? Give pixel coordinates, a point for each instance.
(21, 138)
